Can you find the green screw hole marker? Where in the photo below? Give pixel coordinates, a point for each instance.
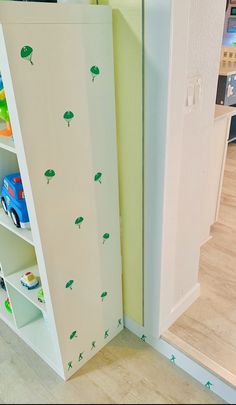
(70, 365)
(95, 71)
(208, 385)
(106, 236)
(106, 334)
(49, 174)
(173, 358)
(73, 335)
(93, 345)
(119, 322)
(98, 177)
(69, 284)
(68, 116)
(27, 53)
(104, 295)
(144, 338)
(79, 221)
(81, 357)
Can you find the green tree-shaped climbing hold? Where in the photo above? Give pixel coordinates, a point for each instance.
(93, 345)
(69, 284)
(173, 358)
(143, 338)
(119, 323)
(49, 174)
(68, 116)
(208, 385)
(27, 53)
(73, 335)
(106, 334)
(70, 365)
(98, 177)
(81, 356)
(95, 71)
(106, 236)
(79, 221)
(104, 295)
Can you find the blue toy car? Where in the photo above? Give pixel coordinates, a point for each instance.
(13, 200)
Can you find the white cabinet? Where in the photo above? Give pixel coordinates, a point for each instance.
(57, 67)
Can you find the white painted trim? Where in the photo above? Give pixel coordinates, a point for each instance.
(212, 366)
(195, 370)
(182, 306)
(133, 326)
(207, 240)
(223, 169)
(157, 56)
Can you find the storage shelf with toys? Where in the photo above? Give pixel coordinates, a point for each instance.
(23, 308)
(34, 295)
(62, 237)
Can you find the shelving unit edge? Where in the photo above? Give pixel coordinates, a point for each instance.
(19, 150)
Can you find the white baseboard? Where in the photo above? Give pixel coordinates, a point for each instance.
(198, 372)
(207, 240)
(133, 326)
(181, 307)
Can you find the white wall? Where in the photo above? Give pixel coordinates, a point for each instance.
(193, 41)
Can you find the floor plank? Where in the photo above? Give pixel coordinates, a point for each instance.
(127, 371)
(209, 325)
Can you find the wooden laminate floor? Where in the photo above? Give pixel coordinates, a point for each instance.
(209, 325)
(127, 371)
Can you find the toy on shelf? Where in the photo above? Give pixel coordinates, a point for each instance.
(29, 280)
(2, 284)
(4, 114)
(13, 200)
(8, 306)
(40, 296)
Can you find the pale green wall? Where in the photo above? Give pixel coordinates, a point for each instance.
(127, 20)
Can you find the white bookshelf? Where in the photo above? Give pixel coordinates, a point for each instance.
(72, 260)
(7, 144)
(6, 221)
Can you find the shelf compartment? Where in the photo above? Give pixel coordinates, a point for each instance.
(39, 337)
(33, 325)
(24, 234)
(7, 143)
(4, 314)
(15, 253)
(9, 163)
(24, 311)
(31, 295)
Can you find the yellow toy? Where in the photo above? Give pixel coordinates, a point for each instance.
(2, 95)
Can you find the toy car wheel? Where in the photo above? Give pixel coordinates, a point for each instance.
(15, 218)
(4, 205)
